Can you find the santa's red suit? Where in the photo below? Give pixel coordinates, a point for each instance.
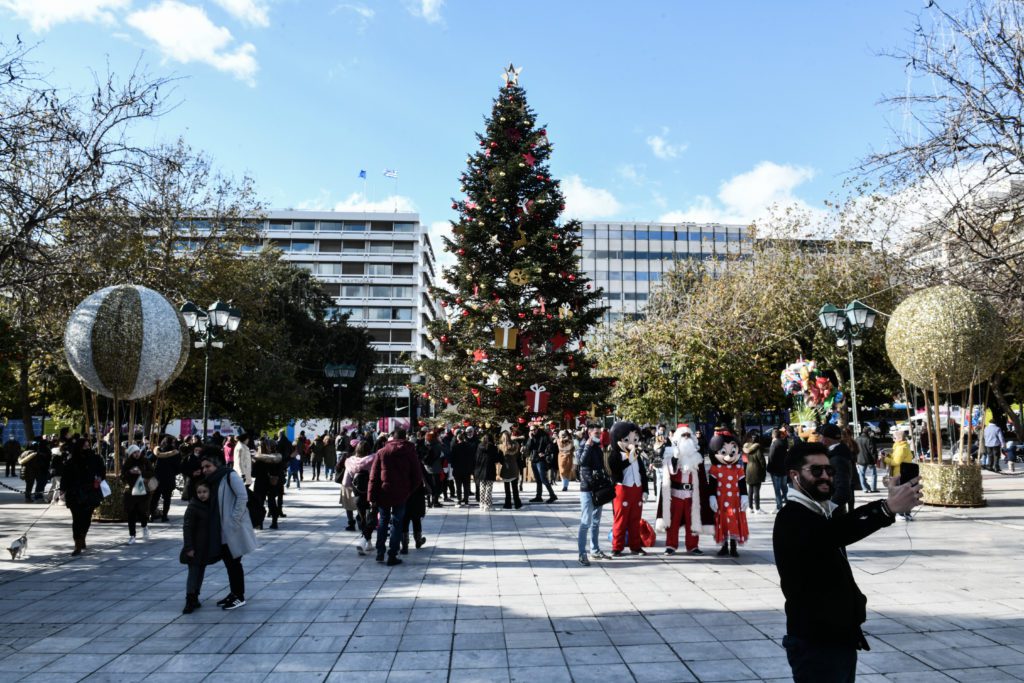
(728, 485)
(683, 499)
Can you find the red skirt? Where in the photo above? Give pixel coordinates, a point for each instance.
(731, 523)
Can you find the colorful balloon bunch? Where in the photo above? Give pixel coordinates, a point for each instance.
(802, 378)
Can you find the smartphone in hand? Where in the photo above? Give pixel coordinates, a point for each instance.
(908, 472)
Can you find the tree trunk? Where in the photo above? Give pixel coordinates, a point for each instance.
(24, 399)
(1014, 418)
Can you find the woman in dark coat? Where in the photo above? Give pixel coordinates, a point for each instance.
(135, 473)
(415, 511)
(80, 487)
(488, 458)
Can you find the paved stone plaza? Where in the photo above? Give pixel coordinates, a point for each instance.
(498, 597)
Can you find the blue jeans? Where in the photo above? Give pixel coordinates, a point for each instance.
(780, 484)
(390, 516)
(863, 471)
(590, 518)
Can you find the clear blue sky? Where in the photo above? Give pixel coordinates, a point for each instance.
(657, 110)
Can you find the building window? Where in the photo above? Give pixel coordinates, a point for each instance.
(301, 246)
(405, 227)
(355, 226)
(330, 226)
(328, 268)
(402, 268)
(401, 314)
(378, 269)
(378, 226)
(304, 225)
(405, 246)
(401, 336)
(380, 292)
(353, 245)
(378, 314)
(330, 246)
(352, 268)
(402, 292)
(380, 248)
(305, 266)
(353, 292)
(332, 288)
(280, 225)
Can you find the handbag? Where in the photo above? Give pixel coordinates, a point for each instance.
(105, 488)
(139, 488)
(602, 490)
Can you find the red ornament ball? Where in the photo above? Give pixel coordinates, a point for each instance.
(444, 304)
(461, 252)
(522, 315)
(465, 313)
(572, 278)
(458, 299)
(444, 338)
(493, 145)
(521, 420)
(519, 367)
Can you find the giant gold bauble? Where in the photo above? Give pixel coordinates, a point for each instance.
(946, 335)
(126, 342)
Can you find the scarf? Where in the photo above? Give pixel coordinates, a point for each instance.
(824, 509)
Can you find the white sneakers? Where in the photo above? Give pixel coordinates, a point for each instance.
(131, 540)
(362, 546)
(145, 533)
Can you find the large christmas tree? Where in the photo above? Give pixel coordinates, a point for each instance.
(512, 344)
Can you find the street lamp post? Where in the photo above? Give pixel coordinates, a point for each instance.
(209, 326)
(667, 371)
(849, 325)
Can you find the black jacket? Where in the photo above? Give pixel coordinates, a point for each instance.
(487, 459)
(79, 483)
(868, 453)
(196, 532)
(842, 461)
(823, 603)
(463, 458)
(591, 461)
(777, 457)
(537, 446)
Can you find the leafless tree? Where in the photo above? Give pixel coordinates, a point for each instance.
(956, 168)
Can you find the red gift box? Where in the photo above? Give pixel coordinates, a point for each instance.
(537, 398)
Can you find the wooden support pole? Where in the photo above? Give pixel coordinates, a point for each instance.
(938, 421)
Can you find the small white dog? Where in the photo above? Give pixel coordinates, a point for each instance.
(19, 548)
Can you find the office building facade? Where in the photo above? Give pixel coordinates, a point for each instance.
(378, 267)
(627, 259)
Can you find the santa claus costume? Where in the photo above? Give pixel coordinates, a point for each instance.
(728, 493)
(684, 496)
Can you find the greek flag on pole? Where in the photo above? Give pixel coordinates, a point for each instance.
(390, 173)
(362, 174)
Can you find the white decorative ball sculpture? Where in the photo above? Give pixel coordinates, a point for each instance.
(126, 341)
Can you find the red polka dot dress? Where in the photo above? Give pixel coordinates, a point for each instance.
(729, 486)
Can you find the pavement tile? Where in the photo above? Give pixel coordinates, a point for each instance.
(661, 672)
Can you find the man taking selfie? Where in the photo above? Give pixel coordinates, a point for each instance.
(824, 607)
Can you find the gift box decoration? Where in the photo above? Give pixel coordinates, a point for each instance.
(505, 334)
(537, 398)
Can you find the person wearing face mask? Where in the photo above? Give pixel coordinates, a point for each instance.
(824, 606)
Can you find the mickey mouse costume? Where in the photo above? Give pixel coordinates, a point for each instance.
(630, 477)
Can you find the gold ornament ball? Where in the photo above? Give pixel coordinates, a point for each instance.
(947, 335)
(502, 174)
(575, 394)
(447, 378)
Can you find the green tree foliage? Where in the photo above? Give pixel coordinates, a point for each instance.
(728, 337)
(516, 265)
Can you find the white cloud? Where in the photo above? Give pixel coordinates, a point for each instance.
(584, 202)
(44, 14)
(365, 12)
(249, 11)
(632, 173)
(662, 148)
(357, 201)
(429, 10)
(185, 34)
(747, 196)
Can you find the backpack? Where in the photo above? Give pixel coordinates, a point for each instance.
(361, 482)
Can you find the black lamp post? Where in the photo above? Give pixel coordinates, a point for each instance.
(849, 325)
(209, 326)
(667, 371)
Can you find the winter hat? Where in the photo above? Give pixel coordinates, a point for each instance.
(132, 450)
